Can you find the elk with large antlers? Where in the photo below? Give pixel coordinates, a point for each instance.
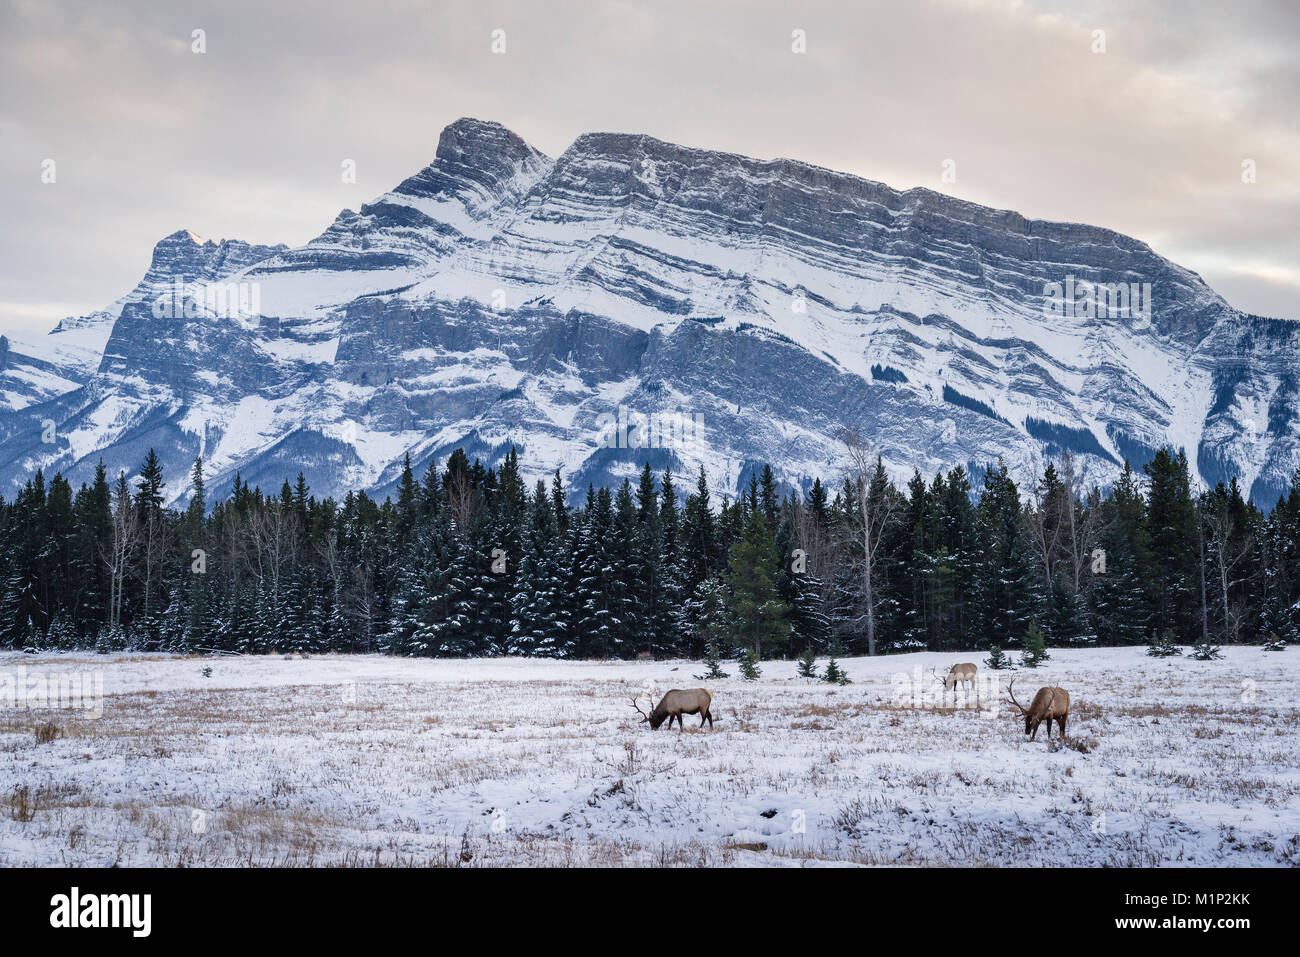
(677, 703)
(1048, 704)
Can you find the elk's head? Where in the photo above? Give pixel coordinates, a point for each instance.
(948, 681)
(654, 718)
(1017, 705)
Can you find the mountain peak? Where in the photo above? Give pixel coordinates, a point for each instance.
(469, 127)
(183, 236)
(479, 162)
(483, 140)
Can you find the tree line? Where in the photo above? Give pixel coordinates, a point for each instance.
(468, 561)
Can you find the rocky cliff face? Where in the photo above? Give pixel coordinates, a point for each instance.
(740, 311)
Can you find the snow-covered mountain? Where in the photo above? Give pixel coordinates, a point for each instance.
(499, 296)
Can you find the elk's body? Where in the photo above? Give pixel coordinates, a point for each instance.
(1048, 705)
(963, 673)
(677, 703)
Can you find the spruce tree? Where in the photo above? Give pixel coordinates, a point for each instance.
(539, 626)
(92, 545)
(713, 661)
(675, 617)
(61, 636)
(712, 616)
(808, 663)
(1009, 592)
(1171, 525)
(1035, 650)
(768, 496)
(629, 579)
(1275, 629)
(1205, 651)
(761, 618)
(657, 619)
(595, 592)
(1163, 645)
(408, 505)
(809, 624)
(699, 541)
(834, 674)
(997, 659)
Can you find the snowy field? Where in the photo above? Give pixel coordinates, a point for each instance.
(372, 760)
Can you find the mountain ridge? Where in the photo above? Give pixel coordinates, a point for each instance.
(498, 296)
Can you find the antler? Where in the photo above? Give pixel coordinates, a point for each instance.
(1018, 705)
(644, 716)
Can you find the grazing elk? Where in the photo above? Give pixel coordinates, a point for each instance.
(963, 673)
(1049, 703)
(677, 703)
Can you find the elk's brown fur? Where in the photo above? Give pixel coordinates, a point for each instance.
(677, 703)
(1049, 704)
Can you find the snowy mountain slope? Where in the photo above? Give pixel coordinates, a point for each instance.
(36, 369)
(499, 296)
(71, 352)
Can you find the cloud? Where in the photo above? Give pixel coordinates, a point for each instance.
(246, 139)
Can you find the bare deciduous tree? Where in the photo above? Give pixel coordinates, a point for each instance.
(126, 536)
(274, 531)
(876, 504)
(1064, 528)
(462, 501)
(1230, 544)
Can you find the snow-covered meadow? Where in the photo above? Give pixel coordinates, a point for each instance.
(373, 760)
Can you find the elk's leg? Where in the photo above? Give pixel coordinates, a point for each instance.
(1034, 736)
(709, 714)
(1061, 722)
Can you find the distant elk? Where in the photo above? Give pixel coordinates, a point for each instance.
(1048, 704)
(963, 673)
(677, 703)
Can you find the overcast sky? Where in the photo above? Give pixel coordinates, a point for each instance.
(246, 139)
